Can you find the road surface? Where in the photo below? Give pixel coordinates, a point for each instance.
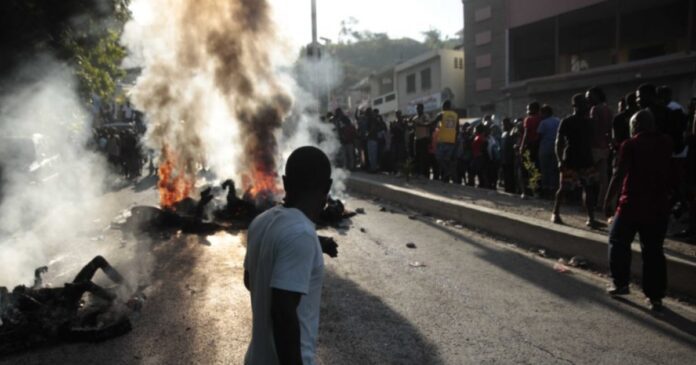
(459, 297)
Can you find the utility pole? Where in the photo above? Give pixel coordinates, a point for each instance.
(314, 25)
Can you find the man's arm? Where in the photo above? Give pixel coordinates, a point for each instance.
(286, 326)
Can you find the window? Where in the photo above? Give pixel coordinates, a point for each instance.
(459, 63)
(532, 50)
(389, 97)
(482, 38)
(377, 101)
(411, 83)
(482, 14)
(483, 84)
(425, 79)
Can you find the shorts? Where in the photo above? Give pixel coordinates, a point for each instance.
(572, 179)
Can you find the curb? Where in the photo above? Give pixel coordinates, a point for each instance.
(566, 241)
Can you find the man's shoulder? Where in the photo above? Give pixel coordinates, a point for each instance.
(290, 220)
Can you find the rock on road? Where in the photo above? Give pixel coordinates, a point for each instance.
(458, 297)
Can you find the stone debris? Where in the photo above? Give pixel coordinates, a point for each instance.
(360, 211)
(560, 267)
(579, 262)
(416, 264)
(411, 245)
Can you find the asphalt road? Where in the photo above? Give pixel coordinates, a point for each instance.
(459, 297)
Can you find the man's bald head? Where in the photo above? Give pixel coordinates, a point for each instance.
(307, 170)
(642, 121)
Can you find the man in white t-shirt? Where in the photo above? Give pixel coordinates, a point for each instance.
(284, 267)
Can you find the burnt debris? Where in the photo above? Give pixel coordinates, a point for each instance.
(39, 316)
(205, 216)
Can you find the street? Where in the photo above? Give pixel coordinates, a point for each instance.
(458, 297)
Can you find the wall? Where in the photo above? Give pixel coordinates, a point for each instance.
(485, 62)
(452, 77)
(521, 12)
(436, 81)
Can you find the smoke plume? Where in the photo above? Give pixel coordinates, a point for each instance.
(50, 181)
(209, 86)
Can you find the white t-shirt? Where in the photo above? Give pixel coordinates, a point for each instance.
(283, 252)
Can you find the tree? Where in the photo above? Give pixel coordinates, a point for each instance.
(84, 33)
(433, 38)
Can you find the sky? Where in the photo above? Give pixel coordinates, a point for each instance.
(397, 18)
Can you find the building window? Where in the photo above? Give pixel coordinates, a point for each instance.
(532, 50)
(483, 60)
(426, 83)
(389, 97)
(482, 14)
(483, 84)
(377, 101)
(483, 37)
(411, 83)
(644, 34)
(459, 63)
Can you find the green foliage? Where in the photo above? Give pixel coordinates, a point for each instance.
(83, 33)
(408, 168)
(532, 170)
(98, 64)
(373, 52)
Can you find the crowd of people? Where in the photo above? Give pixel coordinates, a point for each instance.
(116, 135)
(638, 164)
(521, 155)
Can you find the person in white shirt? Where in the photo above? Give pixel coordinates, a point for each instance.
(284, 267)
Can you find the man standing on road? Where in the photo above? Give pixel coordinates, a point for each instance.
(448, 127)
(284, 267)
(548, 130)
(643, 173)
(601, 117)
(423, 132)
(620, 124)
(574, 153)
(530, 137)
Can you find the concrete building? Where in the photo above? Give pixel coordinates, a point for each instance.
(383, 90)
(431, 78)
(547, 50)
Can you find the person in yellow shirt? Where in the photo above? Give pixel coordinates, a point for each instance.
(448, 124)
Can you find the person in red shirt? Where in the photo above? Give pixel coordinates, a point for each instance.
(643, 175)
(479, 153)
(601, 117)
(530, 137)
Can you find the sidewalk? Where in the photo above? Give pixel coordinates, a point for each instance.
(524, 221)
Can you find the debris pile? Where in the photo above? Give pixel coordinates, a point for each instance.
(206, 215)
(80, 311)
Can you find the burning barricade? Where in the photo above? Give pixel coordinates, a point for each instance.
(40, 315)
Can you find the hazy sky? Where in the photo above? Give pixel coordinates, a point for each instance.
(397, 18)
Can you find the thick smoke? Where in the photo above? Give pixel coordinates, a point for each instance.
(216, 87)
(50, 181)
(208, 86)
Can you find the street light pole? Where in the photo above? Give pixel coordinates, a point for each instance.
(314, 24)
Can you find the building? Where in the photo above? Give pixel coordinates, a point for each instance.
(430, 79)
(547, 50)
(383, 89)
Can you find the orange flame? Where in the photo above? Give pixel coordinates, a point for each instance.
(261, 184)
(174, 186)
